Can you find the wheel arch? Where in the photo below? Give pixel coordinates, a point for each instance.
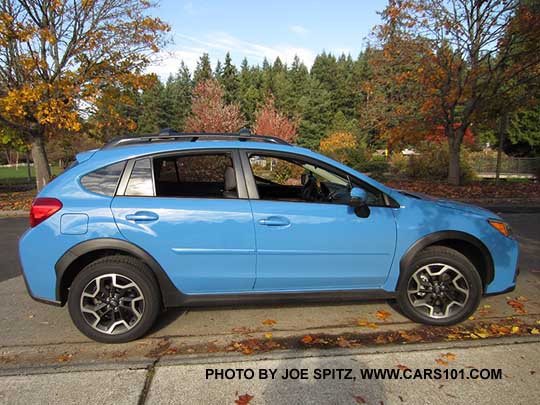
(82, 254)
(468, 245)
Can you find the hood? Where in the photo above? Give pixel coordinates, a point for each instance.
(456, 205)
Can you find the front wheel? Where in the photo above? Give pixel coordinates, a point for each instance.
(441, 287)
(114, 300)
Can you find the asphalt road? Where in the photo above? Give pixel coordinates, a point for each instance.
(10, 231)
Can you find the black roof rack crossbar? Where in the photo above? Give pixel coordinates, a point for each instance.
(170, 136)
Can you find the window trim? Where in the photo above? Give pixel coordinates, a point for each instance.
(233, 152)
(252, 185)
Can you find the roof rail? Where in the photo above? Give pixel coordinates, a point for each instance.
(170, 135)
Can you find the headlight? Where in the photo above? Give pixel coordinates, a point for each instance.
(502, 227)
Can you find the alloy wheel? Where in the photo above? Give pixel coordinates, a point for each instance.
(112, 303)
(438, 290)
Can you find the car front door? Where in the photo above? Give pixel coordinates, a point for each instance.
(185, 210)
(306, 242)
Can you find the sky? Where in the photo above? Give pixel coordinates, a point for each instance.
(258, 29)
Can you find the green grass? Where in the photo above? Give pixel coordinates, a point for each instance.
(20, 175)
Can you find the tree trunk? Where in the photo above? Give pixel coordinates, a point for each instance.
(454, 147)
(41, 164)
(454, 169)
(503, 125)
(29, 171)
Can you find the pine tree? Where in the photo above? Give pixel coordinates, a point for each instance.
(229, 80)
(203, 71)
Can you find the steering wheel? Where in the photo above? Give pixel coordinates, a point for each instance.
(327, 194)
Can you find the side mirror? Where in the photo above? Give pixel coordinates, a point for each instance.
(358, 200)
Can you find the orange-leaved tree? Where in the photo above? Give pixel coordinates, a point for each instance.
(468, 50)
(57, 57)
(210, 113)
(270, 121)
(338, 145)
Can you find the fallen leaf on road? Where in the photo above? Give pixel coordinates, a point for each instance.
(518, 306)
(482, 333)
(244, 399)
(359, 399)
(383, 315)
(449, 356)
(535, 331)
(268, 335)
(64, 357)
(307, 339)
(515, 329)
(441, 362)
(410, 337)
(342, 342)
(521, 298)
(363, 322)
(269, 322)
(402, 367)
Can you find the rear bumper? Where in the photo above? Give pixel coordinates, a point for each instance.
(35, 297)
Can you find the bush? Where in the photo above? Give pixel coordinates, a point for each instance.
(374, 168)
(431, 163)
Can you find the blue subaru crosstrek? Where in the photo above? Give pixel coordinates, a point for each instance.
(176, 219)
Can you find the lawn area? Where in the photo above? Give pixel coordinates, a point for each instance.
(17, 175)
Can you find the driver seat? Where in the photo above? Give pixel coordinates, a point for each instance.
(230, 183)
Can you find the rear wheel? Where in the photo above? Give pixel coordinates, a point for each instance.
(441, 287)
(114, 299)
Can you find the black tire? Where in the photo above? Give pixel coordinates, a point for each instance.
(443, 255)
(129, 269)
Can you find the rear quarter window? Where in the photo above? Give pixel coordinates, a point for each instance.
(104, 180)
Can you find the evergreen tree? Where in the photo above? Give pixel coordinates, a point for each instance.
(203, 71)
(229, 80)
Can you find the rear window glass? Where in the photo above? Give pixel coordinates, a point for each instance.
(104, 181)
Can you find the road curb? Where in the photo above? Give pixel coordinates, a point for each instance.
(235, 357)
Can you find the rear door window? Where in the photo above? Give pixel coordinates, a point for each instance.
(205, 175)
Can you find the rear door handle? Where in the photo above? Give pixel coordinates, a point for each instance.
(143, 216)
(274, 221)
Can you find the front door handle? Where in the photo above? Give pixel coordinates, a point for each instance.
(274, 221)
(143, 216)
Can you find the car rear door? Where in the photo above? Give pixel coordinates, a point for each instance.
(177, 209)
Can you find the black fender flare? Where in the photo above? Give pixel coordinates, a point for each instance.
(435, 237)
(169, 293)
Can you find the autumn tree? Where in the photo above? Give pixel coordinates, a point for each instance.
(270, 121)
(338, 145)
(465, 48)
(210, 113)
(57, 56)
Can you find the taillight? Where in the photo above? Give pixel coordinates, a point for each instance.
(43, 208)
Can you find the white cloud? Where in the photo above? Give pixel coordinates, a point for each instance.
(298, 29)
(217, 44)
